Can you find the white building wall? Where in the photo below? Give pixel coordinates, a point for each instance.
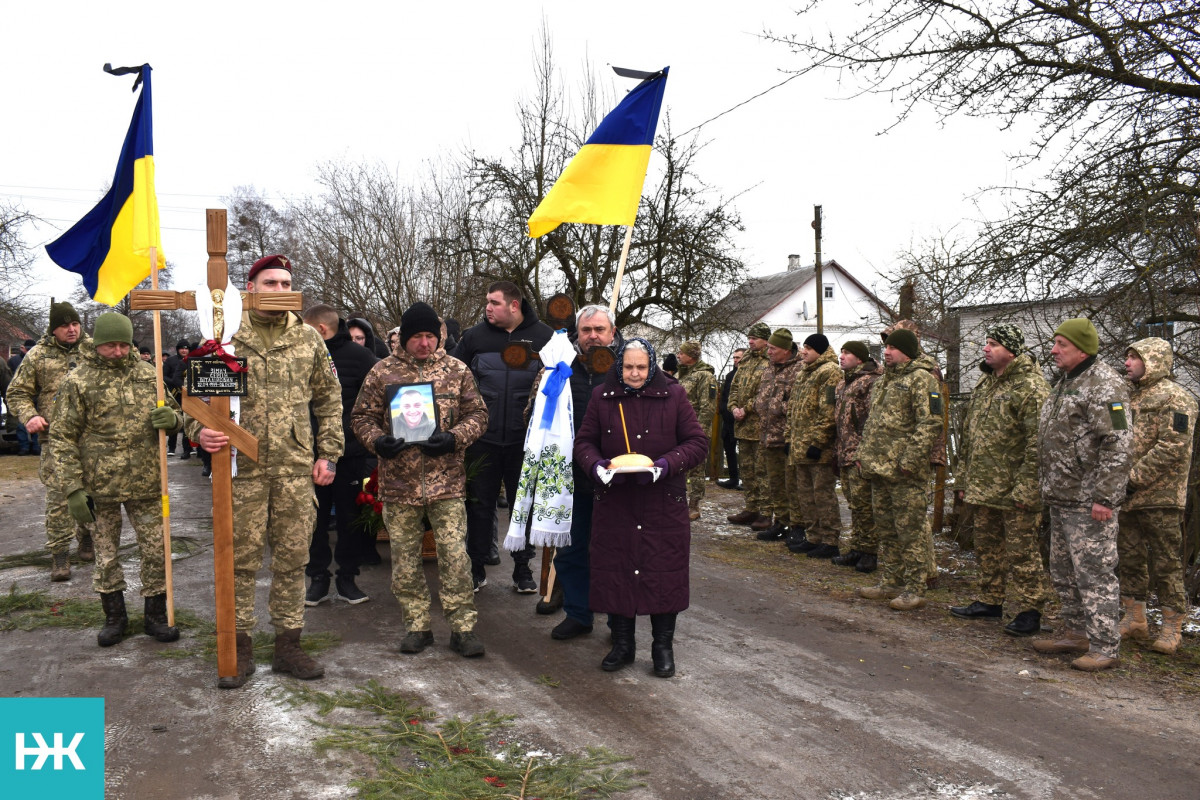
(849, 314)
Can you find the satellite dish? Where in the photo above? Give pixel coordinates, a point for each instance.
(804, 309)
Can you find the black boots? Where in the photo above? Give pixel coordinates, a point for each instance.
(115, 618)
(663, 628)
(155, 623)
(623, 644)
(797, 542)
(774, 533)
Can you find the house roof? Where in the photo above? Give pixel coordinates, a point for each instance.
(754, 299)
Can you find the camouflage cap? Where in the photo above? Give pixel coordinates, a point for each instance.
(759, 330)
(690, 349)
(1008, 336)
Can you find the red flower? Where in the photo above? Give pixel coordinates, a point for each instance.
(363, 498)
(378, 508)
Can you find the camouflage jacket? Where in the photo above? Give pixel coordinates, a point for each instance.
(811, 420)
(1163, 416)
(998, 463)
(31, 391)
(774, 392)
(853, 393)
(284, 380)
(103, 439)
(937, 455)
(700, 382)
(414, 477)
(1084, 438)
(744, 393)
(905, 419)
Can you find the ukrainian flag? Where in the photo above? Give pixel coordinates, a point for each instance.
(110, 247)
(602, 184)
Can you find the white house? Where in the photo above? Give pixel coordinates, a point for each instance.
(789, 300)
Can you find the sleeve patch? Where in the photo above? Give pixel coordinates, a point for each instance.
(1179, 422)
(830, 395)
(1116, 415)
(935, 403)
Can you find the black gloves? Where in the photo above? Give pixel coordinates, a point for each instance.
(439, 444)
(813, 453)
(388, 446)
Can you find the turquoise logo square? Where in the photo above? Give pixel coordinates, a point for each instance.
(52, 747)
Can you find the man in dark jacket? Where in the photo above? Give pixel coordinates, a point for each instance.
(351, 362)
(173, 376)
(728, 440)
(509, 318)
(596, 328)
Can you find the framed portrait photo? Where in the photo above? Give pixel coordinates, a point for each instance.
(411, 411)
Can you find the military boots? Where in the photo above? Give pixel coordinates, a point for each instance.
(155, 622)
(1133, 622)
(115, 618)
(245, 663)
(87, 549)
(291, 658)
(60, 567)
(1171, 636)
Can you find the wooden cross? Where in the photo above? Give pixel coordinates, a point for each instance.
(215, 415)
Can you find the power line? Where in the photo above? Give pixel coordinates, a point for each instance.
(789, 79)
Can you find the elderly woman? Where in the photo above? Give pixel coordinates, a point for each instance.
(641, 533)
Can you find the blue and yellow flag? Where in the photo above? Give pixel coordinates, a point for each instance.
(110, 247)
(602, 184)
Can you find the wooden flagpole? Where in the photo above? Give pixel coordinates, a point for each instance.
(621, 269)
(162, 446)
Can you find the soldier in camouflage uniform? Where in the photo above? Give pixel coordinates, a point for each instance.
(1163, 415)
(30, 399)
(105, 446)
(893, 455)
(289, 371)
(1083, 462)
(774, 391)
(998, 475)
(747, 426)
(812, 429)
(700, 381)
(853, 393)
(426, 479)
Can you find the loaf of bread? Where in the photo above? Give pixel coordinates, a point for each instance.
(632, 460)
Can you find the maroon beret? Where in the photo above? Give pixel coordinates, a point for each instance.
(277, 261)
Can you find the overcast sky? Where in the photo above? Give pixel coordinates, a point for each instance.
(258, 94)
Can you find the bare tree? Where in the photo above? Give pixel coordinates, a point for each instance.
(1114, 86)
(16, 262)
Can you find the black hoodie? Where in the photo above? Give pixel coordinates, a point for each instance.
(352, 362)
(504, 390)
(373, 344)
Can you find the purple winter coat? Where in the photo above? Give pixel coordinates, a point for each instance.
(641, 534)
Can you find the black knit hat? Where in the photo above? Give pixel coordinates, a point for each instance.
(670, 363)
(858, 349)
(419, 318)
(905, 341)
(818, 342)
(181, 343)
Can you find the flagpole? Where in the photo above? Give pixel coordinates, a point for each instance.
(621, 269)
(162, 446)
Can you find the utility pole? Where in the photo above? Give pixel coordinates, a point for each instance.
(816, 223)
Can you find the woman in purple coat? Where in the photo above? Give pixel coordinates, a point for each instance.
(641, 533)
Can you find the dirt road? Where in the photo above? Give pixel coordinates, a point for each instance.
(788, 687)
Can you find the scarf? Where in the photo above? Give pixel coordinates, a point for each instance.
(544, 493)
(619, 366)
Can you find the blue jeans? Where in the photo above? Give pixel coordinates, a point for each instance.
(571, 563)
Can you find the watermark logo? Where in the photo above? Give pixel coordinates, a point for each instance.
(52, 747)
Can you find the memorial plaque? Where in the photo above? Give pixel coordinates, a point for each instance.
(209, 376)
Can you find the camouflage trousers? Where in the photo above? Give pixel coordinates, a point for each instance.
(772, 462)
(1083, 563)
(60, 525)
(697, 480)
(147, 520)
(752, 474)
(1006, 542)
(815, 489)
(902, 523)
(1149, 560)
(405, 532)
(279, 512)
(863, 536)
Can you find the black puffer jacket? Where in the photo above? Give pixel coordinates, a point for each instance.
(351, 362)
(504, 390)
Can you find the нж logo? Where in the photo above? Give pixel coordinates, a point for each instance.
(44, 751)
